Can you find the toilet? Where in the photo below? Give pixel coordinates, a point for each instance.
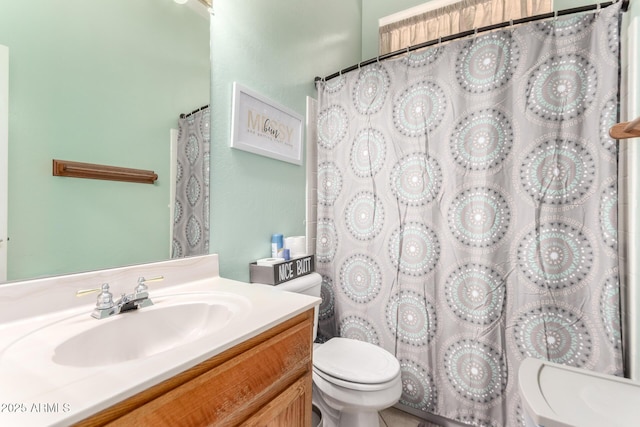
(555, 395)
(352, 380)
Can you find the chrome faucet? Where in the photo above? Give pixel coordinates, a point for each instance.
(106, 307)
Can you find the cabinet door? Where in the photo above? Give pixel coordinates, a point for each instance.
(292, 408)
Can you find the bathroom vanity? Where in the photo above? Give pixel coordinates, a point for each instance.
(263, 381)
(209, 351)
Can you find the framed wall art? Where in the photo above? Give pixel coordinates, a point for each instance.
(263, 127)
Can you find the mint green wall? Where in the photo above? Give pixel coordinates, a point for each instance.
(101, 82)
(275, 48)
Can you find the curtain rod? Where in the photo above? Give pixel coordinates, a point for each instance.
(624, 7)
(184, 116)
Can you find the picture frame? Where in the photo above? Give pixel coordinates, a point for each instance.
(261, 126)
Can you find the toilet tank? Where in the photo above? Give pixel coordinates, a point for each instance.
(311, 284)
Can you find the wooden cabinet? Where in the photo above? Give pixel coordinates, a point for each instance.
(265, 381)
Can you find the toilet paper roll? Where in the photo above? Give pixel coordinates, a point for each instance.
(297, 246)
(268, 261)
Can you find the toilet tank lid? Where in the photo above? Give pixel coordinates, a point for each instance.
(301, 284)
(355, 361)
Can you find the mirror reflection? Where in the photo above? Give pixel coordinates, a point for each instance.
(103, 89)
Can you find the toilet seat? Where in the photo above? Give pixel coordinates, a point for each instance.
(355, 365)
(352, 385)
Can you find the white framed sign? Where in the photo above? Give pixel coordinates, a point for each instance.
(260, 126)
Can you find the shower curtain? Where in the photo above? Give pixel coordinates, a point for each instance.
(191, 212)
(467, 211)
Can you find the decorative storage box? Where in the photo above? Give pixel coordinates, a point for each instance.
(282, 271)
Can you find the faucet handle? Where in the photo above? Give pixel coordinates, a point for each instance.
(105, 298)
(142, 283)
(83, 292)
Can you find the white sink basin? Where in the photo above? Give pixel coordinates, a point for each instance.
(54, 355)
(173, 321)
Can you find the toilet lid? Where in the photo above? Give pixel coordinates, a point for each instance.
(355, 361)
(556, 395)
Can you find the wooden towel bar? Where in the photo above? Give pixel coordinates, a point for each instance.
(111, 173)
(626, 130)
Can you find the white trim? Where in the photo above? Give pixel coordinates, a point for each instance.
(311, 214)
(173, 173)
(632, 297)
(4, 161)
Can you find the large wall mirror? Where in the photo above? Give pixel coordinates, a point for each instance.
(101, 82)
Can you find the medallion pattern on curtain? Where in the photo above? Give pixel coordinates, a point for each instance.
(191, 213)
(467, 211)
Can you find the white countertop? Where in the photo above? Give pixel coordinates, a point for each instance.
(35, 391)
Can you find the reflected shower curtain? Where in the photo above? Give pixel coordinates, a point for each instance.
(191, 213)
(467, 211)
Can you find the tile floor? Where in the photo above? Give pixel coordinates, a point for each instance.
(393, 417)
